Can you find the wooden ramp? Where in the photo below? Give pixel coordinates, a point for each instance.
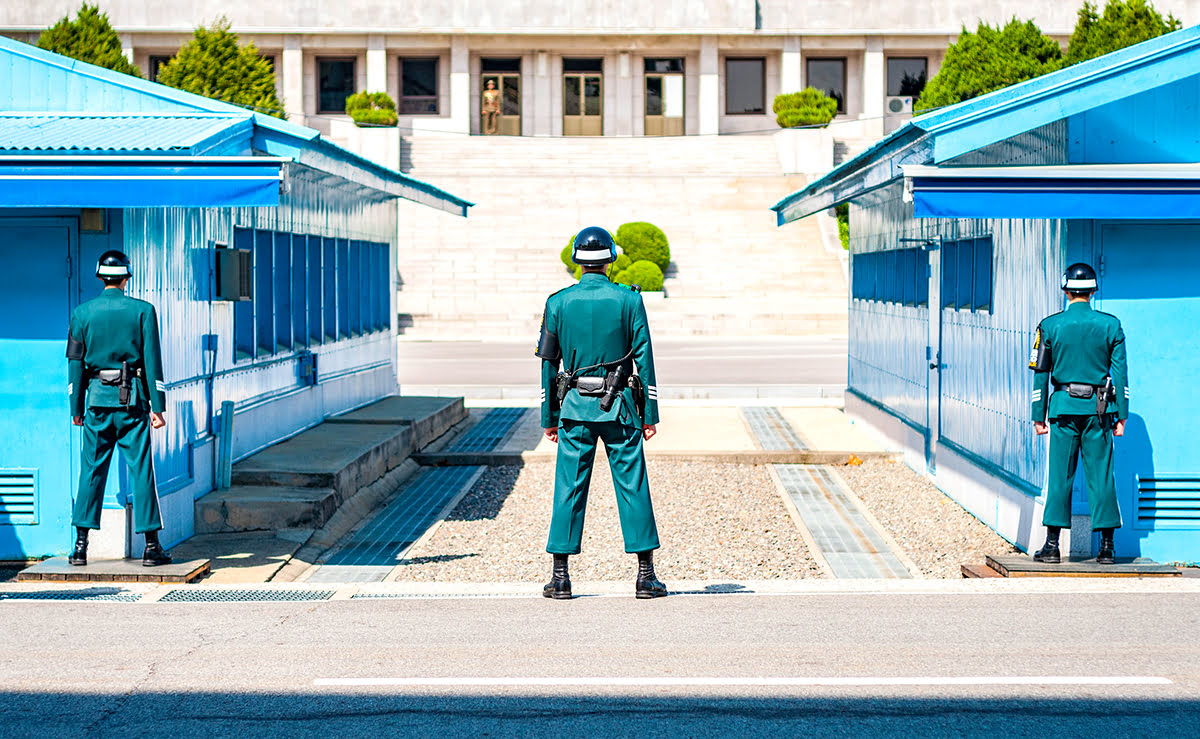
(1018, 565)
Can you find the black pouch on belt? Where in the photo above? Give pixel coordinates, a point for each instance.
(591, 387)
(110, 377)
(1080, 390)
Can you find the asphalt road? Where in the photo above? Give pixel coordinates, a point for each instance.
(147, 670)
(702, 361)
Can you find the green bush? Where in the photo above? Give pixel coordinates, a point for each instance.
(1123, 23)
(89, 38)
(843, 221)
(578, 272)
(618, 266)
(643, 273)
(809, 107)
(371, 108)
(214, 64)
(644, 241)
(565, 256)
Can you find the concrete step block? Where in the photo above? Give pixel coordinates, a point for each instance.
(429, 417)
(264, 508)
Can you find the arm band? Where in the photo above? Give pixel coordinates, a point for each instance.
(75, 348)
(547, 347)
(1040, 359)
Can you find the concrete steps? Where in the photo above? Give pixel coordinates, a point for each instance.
(303, 481)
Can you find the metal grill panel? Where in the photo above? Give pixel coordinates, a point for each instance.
(209, 595)
(18, 496)
(100, 594)
(485, 435)
(1168, 502)
(772, 430)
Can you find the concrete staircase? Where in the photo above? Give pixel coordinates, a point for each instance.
(734, 272)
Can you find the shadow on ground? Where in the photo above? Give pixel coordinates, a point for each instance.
(487, 497)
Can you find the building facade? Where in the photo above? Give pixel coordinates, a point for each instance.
(961, 224)
(619, 68)
(304, 327)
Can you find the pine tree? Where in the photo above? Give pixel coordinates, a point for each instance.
(89, 38)
(1124, 23)
(212, 64)
(989, 59)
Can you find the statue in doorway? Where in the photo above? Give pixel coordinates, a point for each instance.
(491, 108)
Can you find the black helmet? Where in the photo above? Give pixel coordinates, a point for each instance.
(594, 245)
(1079, 278)
(113, 265)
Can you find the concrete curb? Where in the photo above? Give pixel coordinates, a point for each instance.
(757, 456)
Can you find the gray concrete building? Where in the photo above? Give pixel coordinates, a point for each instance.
(574, 67)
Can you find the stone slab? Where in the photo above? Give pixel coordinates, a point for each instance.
(1014, 565)
(341, 456)
(429, 416)
(264, 508)
(58, 569)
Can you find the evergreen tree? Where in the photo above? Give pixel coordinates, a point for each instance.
(989, 59)
(1124, 23)
(89, 38)
(212, 64)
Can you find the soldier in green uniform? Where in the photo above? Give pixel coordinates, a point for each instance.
(598, 330)
(117, 394)
(1080, 384)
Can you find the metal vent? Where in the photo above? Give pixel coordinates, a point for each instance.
(210, 595)
(90, 594)
(235, 274)
(18, 496)
(1168, 501)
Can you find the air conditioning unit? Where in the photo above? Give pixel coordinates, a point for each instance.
(897, 104)
(235, 274)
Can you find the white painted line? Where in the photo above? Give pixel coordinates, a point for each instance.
(628, 682)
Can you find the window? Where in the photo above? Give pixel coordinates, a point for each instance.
(156, 64)
(899, 276)
(664, 66)
(745, 86)
(967, 274)
(418, 87)
(309, 290)
(494, 65)
(335, 83)
(583, 65)
(829, 76)
(906, 76)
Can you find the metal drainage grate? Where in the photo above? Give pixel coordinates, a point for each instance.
(195, 595)
(489, 431)
(407, 596)
(772, 430)
(112, 596)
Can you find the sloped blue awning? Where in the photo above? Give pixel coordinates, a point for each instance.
(138, 182)
(1124, 191)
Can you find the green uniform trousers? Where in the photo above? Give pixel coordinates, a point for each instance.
(129, 429)
(576, 452)
(1071, 437)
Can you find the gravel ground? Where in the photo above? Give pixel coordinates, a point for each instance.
(935, 531)
(716, 522)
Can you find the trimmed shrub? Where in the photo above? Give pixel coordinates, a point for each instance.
(809, 107)
(643, 273)
(215, 65)
(89, 38)
(644, 241)
(371, 108)
(620, 265)
(578, 272)
(843, 221)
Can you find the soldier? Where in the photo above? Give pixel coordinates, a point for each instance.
(116, 365)
(599, 330)
(1080, 384)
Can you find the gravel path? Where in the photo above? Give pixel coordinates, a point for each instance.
(716, 522)
(935, 531)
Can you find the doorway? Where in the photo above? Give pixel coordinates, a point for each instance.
(664, 97)
(505, 78)
(583, 97)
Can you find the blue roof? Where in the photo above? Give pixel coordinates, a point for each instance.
(193, 135)
(950, 132)
(36, 81)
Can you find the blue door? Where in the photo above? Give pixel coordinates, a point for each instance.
(36, 459)
(1150, 279)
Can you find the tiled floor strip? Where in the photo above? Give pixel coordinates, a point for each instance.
(489, 431)
(772, 430)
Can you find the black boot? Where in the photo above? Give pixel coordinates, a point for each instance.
(154, 554)
(559, 587)
(1107, 554)
(1049, 552)
(79, 556)
(648, 585)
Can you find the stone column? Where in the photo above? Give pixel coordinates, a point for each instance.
(542, 109)
(710, 87)
(292, 69)
(127, 47)
(460, 85)
(791, 76)
(874, 77)
(377, 66)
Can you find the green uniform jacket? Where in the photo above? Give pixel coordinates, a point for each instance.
(115, 328)
(597, 321)
(1085, 346)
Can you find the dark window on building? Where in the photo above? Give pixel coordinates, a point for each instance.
(583, 65)
(156, 64)
(967, 274)
(745, 86)
(418, 87)
(335, 83)
(906, 76)
(664, 66)
(243, 310)
(490, 64)
(898, 276)
(829, 76)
